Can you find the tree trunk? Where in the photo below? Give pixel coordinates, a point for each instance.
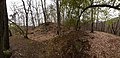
(92, 24)
(58, 17)
(45, 19)
(97, 20)
(1, 27)
(32, 19)
(22, 31)
(26, 26)
(26, 15)
(10, 33)
(4, 34)
(37, 16)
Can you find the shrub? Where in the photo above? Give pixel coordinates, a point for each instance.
(69, 22)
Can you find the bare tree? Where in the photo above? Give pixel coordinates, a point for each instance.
(32, 18)
(26, 15)
(36, 7)
(43, 8)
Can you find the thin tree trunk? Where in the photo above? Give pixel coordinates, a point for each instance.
(23, 21)
(113, 30)
(32, 19)
(116, 27)
(26, 26)
(26, 15)
(23, 33)
(97, 21)
(38, 17)
(10, 33)
(92, 24)
(45, 19)
(58, 17)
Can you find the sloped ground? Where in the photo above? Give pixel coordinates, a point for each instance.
(71, 45)
(74, 44)
(39, 33)
(85, 45)
(104, 45)
(25, 48)
(52, 48)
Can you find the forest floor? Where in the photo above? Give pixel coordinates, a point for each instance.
(73, 44)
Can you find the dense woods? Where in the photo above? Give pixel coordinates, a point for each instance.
(66, 27)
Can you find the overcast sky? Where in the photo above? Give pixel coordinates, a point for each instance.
(113, 12)
(9, 4)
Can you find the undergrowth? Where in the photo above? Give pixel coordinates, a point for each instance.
(72, 45)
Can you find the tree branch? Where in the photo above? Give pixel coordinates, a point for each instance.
(91, 6)
(17, 27)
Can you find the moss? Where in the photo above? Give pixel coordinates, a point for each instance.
(7, 53)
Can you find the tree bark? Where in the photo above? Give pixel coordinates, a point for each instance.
(92, 19)
(1, 27)
(22, 31)
(32, 19)
(44, 13)
(58, 17)
(10, 33)
(26, 15)
(4, 34)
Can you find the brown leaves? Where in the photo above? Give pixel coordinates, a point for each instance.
(104, 45)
